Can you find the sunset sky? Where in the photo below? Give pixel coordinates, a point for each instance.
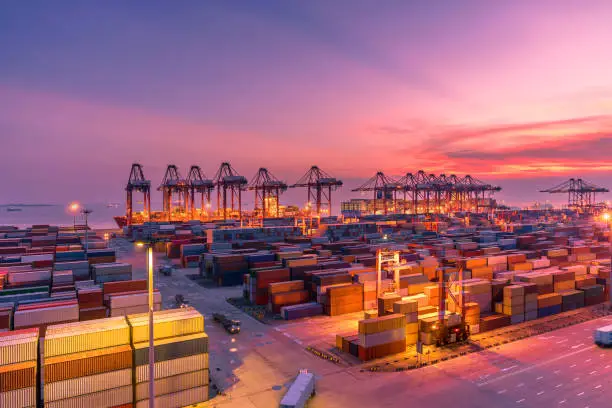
(518, 93)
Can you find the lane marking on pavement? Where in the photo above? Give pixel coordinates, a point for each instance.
(509, 368)
(562, 401)
(607, 366)
(577, 345)
(576, 379)
(573, 365)
(521, 400)
(520, 385)
(502, 391)
(501, 377)
(562, 341)
(598, 386)
(556, 371)
(592, 372)
(541, 392)
(587, 360)
(558, 385)
(539, 378)
(580, 393)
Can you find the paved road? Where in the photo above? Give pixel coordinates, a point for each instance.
(557, 369)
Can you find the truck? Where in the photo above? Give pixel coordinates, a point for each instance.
(232, 326)
(166, 269)
(300, 391)
(603, 336)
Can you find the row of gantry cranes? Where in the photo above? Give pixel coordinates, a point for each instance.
(415, 193)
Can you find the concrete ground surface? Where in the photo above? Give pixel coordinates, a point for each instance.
(562, 368)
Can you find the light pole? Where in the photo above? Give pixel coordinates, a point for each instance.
(149, 252)
(608, 219)
(74, 208)
(86, 213)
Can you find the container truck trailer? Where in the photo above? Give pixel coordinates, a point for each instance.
(300, 391)
(603, 336)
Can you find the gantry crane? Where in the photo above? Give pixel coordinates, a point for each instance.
(384, 188)
(198, 183)
(429, 193)
(137, 182)
(173, 184)
(320, 186)
(267, 192)
(227, 179)
(581, 194)
(476, 192)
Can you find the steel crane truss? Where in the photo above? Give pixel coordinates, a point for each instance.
(320, 186)
(227, 180)
(581, 195)
(267, 190)
(137, 182)
(430, 194)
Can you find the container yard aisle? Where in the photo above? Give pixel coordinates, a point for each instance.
(253, 368)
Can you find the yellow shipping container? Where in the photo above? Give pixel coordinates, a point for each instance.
(514, 291)
(166, 325)
(380, 324)
(84, 336)
(412, 338)
(514, 309)
(412, 328)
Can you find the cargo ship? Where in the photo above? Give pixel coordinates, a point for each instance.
(13, 209)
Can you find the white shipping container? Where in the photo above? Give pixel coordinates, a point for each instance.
(20, 398)
(376, 339)
(137, 299)
(174, 367)
(71, 266)
(178, 399)
(102, 399)
(497, 260)
(115, 268)
(87, 385)
(47, 315)
(125, 311)
(38, 257)
(172, 384)
(29, 276)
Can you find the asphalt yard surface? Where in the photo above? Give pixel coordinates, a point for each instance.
(560, 368)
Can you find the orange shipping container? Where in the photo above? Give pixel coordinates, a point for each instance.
(16, 376)
(549, 299)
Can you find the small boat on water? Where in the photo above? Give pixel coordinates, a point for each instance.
(13, 209)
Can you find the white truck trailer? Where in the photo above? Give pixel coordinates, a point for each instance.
(300, 391)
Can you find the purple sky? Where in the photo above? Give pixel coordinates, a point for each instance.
(517, 93)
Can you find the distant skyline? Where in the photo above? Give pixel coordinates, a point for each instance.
(518, 94)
